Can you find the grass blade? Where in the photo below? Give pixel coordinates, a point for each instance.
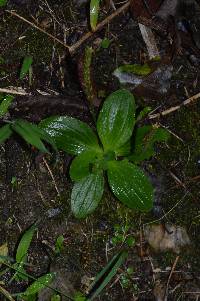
(5, 103)
(27, 62)
(104, 277)
(24, 244)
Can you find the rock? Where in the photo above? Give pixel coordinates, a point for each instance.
(166, 237)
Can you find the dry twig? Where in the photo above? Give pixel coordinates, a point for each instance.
(52, 176)
(170, 275)
(173, 109)
(14, 90)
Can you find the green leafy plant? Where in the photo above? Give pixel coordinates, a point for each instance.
(19, 264)
(126, 278)
(121, 235)
(112, 156)
(145, 138)
(31, 133)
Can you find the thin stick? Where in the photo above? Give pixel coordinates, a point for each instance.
(124, 7)
(170, 275)
(167, 213)
(13, 90)
(52, 176)
(173, 109)
(13, 13)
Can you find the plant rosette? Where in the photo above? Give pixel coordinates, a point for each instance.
(108, 154)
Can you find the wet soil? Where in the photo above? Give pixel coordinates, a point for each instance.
(28, 192)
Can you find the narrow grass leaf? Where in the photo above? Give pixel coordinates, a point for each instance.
(59, 244)
(33, 135)
(27, 62)
(5, 132)
(94, 13)
(24, 244)
(39, 284)
(5, 103)
(105, 276)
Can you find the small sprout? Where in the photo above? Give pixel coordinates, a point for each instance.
(105, 43)
(26, 65)
(59, 244)
(130, 241)
(14, 181)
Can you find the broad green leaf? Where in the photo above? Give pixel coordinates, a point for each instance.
(116, 120)
(145, 138)
(124, 150)
(86, 195)
(94, 13)
(105, 276)
(5, 103)
(33, 134)
(130, 185)
(24, 244)
(3, 2)
(39, 284)
(135, 68)
(82, 165)
(27, 62)
(70, 134)
(5, 132)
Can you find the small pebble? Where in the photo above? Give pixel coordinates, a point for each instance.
(53, 212)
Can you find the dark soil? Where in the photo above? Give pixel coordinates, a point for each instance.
(33, 196)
